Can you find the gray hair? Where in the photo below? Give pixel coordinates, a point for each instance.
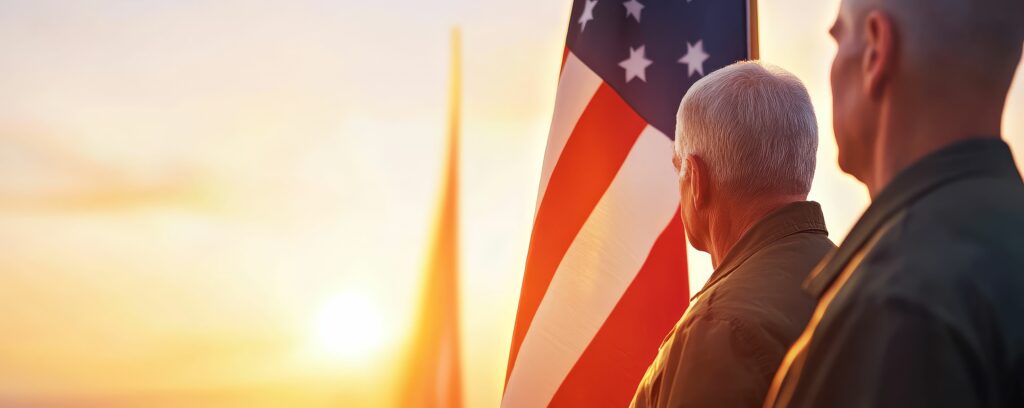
(754, 127)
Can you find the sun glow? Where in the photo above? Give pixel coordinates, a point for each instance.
(351, 327)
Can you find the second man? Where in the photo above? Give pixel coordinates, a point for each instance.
(746, 142)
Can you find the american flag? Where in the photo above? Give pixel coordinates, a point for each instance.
(606, 274)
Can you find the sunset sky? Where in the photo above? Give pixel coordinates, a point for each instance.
(195, 196)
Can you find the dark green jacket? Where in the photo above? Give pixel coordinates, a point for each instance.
(725, 349)
(923, 304)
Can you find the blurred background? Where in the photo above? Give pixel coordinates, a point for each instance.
(229, 203)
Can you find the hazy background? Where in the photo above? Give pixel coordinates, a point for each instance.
(228, 204)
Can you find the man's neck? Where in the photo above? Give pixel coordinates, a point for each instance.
(908, 135)
(729, 224)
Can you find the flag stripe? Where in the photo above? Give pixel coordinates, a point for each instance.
(565, 54)
(589, 162)
(615, 361)
(597, 269)
(576, 87)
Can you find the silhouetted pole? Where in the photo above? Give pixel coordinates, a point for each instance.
(433, 377)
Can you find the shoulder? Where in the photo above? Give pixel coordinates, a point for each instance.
(764, 297)
(963, 235)
(790, 257)
(767, 289)
(956, 257)
(974, 210)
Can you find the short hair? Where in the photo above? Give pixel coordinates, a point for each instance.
(754, 127)
(959, 43)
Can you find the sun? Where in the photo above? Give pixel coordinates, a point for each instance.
(350, 327)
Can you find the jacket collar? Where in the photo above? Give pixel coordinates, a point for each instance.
(989, 157)
(804, 216)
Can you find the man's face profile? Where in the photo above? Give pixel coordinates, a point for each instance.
(852, 118)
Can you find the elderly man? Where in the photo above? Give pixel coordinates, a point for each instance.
(746, 141)
(923, 304)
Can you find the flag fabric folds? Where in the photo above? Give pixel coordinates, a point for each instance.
(606, 275)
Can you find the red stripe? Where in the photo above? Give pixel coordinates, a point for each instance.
(565, 56)
(609, 370)
(589, 162)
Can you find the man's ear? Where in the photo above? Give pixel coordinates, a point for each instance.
(699, 182)
(879, 60)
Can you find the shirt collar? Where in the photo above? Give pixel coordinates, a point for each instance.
(803, 216)
(988, 157)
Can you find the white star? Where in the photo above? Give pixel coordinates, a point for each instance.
(588, 14)
(633, 8)
(636, 65)
(695, 57)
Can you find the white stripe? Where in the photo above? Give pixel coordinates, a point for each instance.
(576, 87)
(597, 268)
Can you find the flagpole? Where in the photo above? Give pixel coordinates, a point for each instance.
(752, 30)
(454, 372)
(433, 376)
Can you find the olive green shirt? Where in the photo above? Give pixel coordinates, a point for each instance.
(923, 303)
(726, 347)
